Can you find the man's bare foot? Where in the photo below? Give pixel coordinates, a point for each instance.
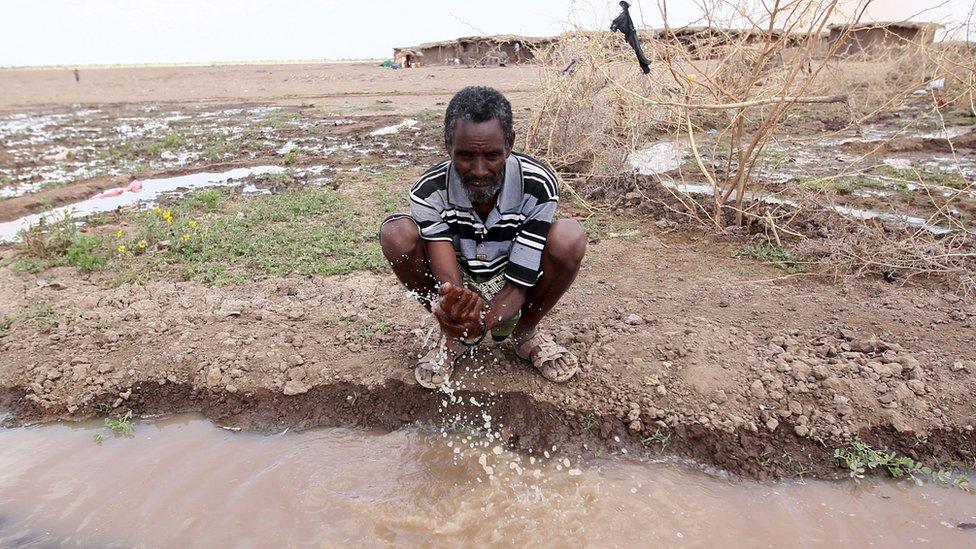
(434, 369)
(553, 361)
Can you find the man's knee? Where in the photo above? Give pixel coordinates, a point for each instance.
(399, 237)
(566, 243)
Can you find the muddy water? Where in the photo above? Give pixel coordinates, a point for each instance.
(150, 191)
(182, 481)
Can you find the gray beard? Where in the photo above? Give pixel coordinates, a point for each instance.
(485, 195)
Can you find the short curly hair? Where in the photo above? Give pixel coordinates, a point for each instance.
(478, 104)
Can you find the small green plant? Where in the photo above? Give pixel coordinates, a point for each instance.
(82, 253)
(98, 438)
(931, 175)
(589, 422)
(661, 437)
(42, 313)
(291, 156)
(121, 426)
(378, 327)
(5, 323)
(211, 153)
(766, 252)
(59, 242)
(171, 141)
(209, 199)
(860, 458)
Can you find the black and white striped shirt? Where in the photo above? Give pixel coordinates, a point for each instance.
(511, 239)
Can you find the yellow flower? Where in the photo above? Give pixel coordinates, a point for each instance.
(192, 223)
(119, 234)
(186, 236)
(142, 244)
(121, 249)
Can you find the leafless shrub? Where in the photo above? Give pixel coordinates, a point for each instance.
(731, 92)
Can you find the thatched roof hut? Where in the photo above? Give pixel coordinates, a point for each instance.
(499, 49)
(872, 37)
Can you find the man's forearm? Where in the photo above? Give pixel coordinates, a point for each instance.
(443, 262)
(505, 305)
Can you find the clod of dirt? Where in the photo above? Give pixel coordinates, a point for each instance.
(294, 387)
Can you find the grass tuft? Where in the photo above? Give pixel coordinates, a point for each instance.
(766, 252)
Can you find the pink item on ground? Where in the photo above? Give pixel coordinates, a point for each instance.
(111, 192)
(134, 187)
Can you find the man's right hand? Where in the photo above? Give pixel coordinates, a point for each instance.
(458, 310)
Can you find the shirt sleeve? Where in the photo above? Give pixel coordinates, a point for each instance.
(426, 207)
(525, 257)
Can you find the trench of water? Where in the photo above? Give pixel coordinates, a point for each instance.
(181, 479)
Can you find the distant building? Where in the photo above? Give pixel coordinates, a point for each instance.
(879, 35)
(501, 49)
(703, 42)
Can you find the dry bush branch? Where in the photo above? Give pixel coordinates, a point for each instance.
(732, 92)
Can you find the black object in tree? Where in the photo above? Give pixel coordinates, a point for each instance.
(625, 25)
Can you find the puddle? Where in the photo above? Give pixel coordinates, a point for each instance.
(151, 189)
(19, 190)
(182, 481)
(407, 123)
(855, 213)
(950, 132)
(658, 158)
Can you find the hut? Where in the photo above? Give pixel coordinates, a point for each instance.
(473, 51)
(873, 37)
(407, 57)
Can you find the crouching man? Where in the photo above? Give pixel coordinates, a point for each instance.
(480, 247)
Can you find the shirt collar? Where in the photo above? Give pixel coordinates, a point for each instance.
(509, 198)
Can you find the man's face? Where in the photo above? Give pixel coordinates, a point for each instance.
(479, 152)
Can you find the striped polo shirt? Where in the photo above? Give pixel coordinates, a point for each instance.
(511, 239)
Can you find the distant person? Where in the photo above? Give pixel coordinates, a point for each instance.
(480, 248)
(77, 77)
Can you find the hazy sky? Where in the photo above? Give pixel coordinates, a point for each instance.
(47, 32)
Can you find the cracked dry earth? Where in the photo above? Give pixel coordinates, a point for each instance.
(736, 365)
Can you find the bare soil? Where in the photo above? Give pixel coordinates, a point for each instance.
(685, 350)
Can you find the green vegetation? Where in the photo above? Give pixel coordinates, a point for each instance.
(98, 438)
(589, 422)
(292, 156)
(763, 250)
(860, 458)
(57, 243)
(154, 148)
(42, 313)
(208, 200)
(298, 231)
(602, 227)
(207, 236)
(388, 202)
(5, 323)
(661, 437)
(929, 175)
(841, 185)
(379, 327)
(121, 426)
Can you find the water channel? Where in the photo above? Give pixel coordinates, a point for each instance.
(182, 481)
